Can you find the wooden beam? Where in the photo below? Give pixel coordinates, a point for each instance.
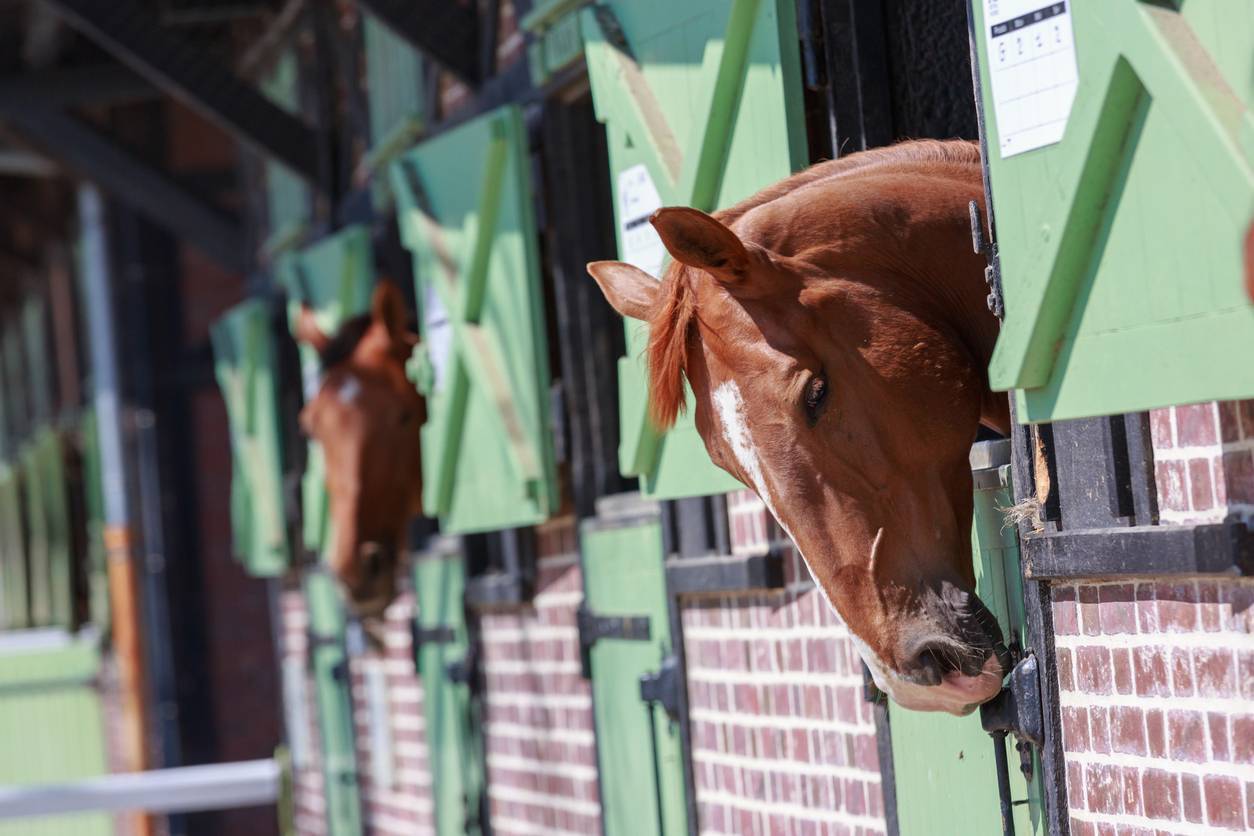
(132, 181)
(446, 30)
(131, 34)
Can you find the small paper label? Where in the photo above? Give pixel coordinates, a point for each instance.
(439, 335)
(1032, 68)
(637, 200)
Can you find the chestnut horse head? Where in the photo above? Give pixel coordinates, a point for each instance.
(835, 334)
(367, 416)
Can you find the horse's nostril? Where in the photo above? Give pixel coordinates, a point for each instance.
(933, 661)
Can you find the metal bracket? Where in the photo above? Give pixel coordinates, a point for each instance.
(662, 687)
(593, 628)
(1017, 709)
(440, 634)
(992, 269)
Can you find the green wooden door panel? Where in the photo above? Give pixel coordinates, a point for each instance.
(51, 724)
(394, 83)
(328, 661)
(245, 366)
(624, 575)
(335, 278)
(39, 579)
(707, 109)
(93, 496)
(287, 195)
(1121, 245)
(943, 766)
(454, 741)
(50, 454)
(13, 580)
(464, 208)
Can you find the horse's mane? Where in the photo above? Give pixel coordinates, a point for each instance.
(671, 320)
(341, 346)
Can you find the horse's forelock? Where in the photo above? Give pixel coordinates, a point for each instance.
(341, 346)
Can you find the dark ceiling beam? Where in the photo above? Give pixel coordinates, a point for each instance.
(130, 180)
(447, 30)
(103, 84)
(130, 32)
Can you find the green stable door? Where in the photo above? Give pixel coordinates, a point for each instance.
(464, 205)
(625, 628)
(443, 658)
(944, 766)
(244, 363)
(702, 105)
(1120, 155)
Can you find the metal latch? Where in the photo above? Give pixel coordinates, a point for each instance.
(662, 687)
(440, 634)
(992, 269)
(593, 628)
(1017, 709)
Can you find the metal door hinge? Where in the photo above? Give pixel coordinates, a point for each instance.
(662, 687)
(1017, 709)
(593, 628)
(439, 634)
(992, 269)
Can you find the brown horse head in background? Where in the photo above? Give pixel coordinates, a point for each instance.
(367, 416)
(835, 334)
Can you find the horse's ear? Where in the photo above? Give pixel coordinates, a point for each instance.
(307, 330)
(387, 307)
(698, 240)
(628, 289)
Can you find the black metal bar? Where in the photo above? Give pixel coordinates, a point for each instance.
(888, 775)
(1151, 550)
(723, 574)
(447, 31)
(133, 35)
(99, 84)
(1003, 783)
(130, 180)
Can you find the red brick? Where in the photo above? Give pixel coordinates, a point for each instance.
(1220, 745)
(1243, 738)
(1216, 672)
(1146, 608)
(1223, 801)
(1121, 659)
(1093, 669)
(1161, 794)
(1187, 739)
(1117, 608)
(1106, 829)
(1170, 480)
(1246, 408)
(1103, 788)
(1245, 663)
(1082, 828)
(1191, 796)
(1131, 778)
(1229, 421)
(1176, 610)
(1099, 729)
(1239, 475)
(1201, 493)
(1090, 617)
(1150, 672)
(820, 656)
(1195, 425)
(1209, 609)
(1075, 784)
(1181, 672)
(1066, 617)
(1160, 429)
(1127, 730)
(1066, 671)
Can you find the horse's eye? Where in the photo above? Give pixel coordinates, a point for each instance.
(405, 416)
(816, 395)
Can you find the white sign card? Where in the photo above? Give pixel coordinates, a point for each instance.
(1032, 68)
(637, 200)
(439, 336)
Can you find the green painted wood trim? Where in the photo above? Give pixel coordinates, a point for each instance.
(547, 12)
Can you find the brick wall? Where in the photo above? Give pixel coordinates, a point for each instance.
(538, 734)
(310, 803)
(400, 802)
(783, 741)
(1156, 677)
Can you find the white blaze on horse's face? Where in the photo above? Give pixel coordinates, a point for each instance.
(956, 694)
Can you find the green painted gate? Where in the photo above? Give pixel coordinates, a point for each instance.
(51, 723)
(13, 583)
(442, 656)
(626, 617)
(944, 766)
(702, 104)
(245, 365)
(1120, 245)
(328, 662)
(48, 541)
(464, 208)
